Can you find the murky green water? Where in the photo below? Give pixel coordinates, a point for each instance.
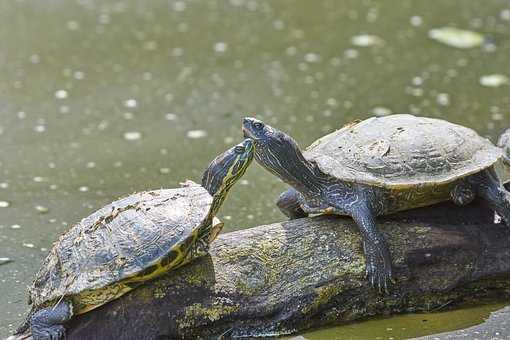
(102, 98)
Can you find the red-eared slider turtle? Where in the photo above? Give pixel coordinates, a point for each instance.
(128, 242)
(380, 166)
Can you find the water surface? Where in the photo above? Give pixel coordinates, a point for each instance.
(99, 99)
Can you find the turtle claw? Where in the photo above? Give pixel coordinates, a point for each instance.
(378, 270)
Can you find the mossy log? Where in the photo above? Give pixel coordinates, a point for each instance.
(287, 277)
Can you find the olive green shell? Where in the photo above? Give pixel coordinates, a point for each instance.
(118, 243)
(402, 151)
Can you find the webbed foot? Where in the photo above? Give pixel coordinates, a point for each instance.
(379, 269)
(46, 324)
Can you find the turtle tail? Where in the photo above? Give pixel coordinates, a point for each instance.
(25, 326)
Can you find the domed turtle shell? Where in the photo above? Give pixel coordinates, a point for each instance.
(120, 245)
(402, 151)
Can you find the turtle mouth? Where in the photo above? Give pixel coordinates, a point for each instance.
(247, 133)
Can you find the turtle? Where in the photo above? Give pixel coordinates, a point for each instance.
(380, 166)
(128, 242)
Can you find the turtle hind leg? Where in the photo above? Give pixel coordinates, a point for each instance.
(490, 188)
(378, 260)
(47, 323)
(463, 193)
(289, 204)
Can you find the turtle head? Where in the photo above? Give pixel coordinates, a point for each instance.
(276, 151)
(227, 168)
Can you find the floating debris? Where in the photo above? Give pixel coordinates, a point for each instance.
(28, 245)
(132, 135)
(164, 171)
(5, 204)
(194, 134)
(170, 116)
(131, 103)
(494, 80)
(366, 40)
(455, 37)
(41, 209)
(220, 47)
(416, 20)
(83, 188)
(15, 226)
(381, 111)
(443, 99)
(4, 260)
(312, 58)
(61, 94)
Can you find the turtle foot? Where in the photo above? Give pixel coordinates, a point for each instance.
(55, 332)
(379, 270)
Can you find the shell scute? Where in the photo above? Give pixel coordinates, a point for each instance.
(402, 151)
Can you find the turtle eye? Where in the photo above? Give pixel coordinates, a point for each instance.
(239, 149)
(258, 125)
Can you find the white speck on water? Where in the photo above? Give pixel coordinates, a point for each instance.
(455, 37)
(28, 245)
(278, 25)
(170, 116)
(312, 58)
(291, 50)
(132, 135)
(128, 115)
(4, 204)
(39, 179)
(15, 226)
(417, 81)
(381, 111)
(179, 6)
(244, 182)
(351, 53)
(416, 20)
(41, 209)
(194, 134)
(4, 260)
(4, 185)
(131, 103)
(39, 128)
(164, 171)
(53, 187)
(177, 52)
(61, 94)
(494, 80)
(22, 115)
(73, 25)
(366, 40)
(104, 18)
(228, 140)
(90, 165)
(78, 75)
(64, 109)
(220, 47)
(35, 59)
(227, 217)
(150, 45)
(83, 188)
(443, 99)
(505, 14)
(332, 102)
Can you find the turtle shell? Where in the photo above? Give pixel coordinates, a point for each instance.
(402, 151)
(120, 242)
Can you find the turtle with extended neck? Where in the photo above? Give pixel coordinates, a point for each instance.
(128, 242)
(381, 166)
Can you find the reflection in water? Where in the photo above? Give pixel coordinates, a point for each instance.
(100, 99)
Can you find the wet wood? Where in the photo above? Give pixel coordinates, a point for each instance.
(291, 276)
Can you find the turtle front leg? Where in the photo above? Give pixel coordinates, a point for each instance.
(47, 323)
(289, 204)
(490, 188)
(378, 260)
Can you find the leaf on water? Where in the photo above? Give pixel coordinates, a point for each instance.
(455, 37)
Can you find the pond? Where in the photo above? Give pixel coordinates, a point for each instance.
(99, 99)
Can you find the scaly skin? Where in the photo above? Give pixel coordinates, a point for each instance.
(314, 192)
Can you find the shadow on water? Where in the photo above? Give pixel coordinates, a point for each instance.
(100, 99)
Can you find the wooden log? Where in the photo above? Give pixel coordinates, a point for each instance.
(290, 276)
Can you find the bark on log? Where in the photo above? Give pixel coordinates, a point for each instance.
(291, 276)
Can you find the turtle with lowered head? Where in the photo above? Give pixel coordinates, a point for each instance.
(380, 166)
(128, 242)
